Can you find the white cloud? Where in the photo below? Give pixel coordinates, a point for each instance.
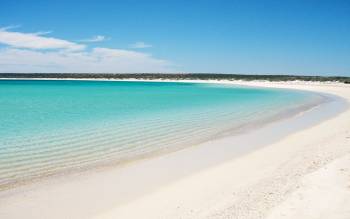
(98, 38)
(98, 60)
(140, 45)
(35, 41)
(40, 33)
(9, 27)
(34, 52)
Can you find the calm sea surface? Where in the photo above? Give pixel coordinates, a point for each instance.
(49, 127)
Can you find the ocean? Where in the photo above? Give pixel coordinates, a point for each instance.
(50, 127)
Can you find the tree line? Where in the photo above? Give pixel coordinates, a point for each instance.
(177, 76)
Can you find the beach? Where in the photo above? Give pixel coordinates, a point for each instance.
(298, 171)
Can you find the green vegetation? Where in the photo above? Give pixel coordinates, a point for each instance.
(178, 76)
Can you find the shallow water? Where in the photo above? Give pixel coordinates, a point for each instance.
(48, 127)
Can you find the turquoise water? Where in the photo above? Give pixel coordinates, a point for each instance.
(52, 127)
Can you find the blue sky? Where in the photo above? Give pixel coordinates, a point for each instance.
(249, 37)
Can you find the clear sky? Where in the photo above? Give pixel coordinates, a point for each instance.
(310, 37)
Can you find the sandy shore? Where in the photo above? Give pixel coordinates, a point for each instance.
(304, 174)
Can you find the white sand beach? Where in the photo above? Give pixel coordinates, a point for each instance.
(301, 172)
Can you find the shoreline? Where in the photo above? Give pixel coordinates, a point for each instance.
(173, 183)
(246, 128)
(289, 113)
(250, 83)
